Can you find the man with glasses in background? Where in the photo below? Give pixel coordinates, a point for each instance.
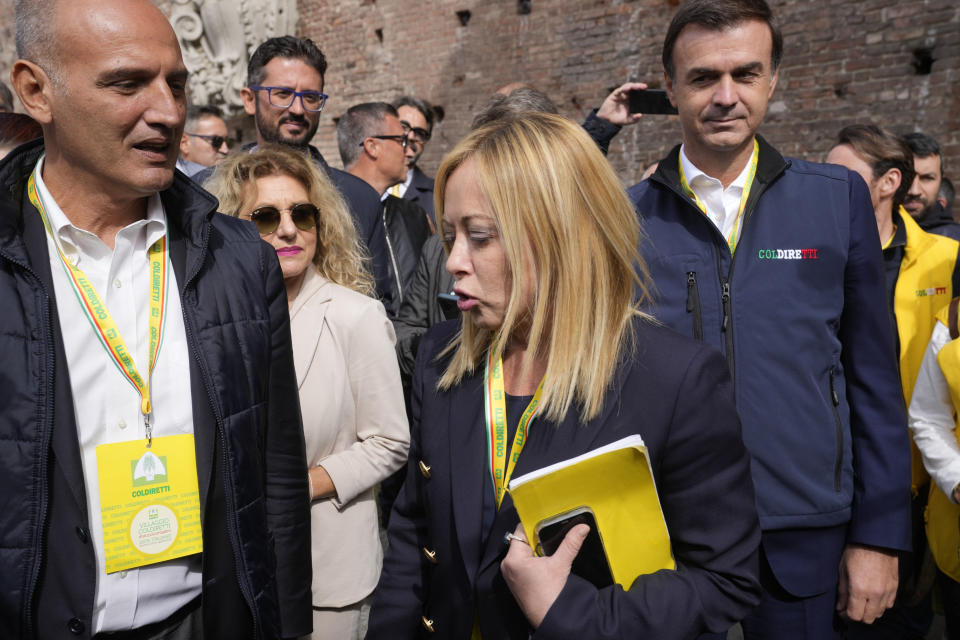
(373, 147)
(205, 141)
(416, 116)
(284, 94)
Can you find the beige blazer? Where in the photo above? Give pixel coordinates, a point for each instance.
(354, 425)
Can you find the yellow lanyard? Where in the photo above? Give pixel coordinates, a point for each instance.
(495, 404)
(732, 238)
(101, 320)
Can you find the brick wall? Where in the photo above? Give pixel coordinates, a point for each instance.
(844, 62)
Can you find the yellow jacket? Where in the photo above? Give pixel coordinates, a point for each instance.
(942, 516)
(924, 286)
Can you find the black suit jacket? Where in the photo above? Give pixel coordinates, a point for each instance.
(421, 192)
(365, 206)
(249, 444)
(677, 396)
(406, 227)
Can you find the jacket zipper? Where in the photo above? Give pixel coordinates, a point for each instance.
(725, 282)
(725, 326)
(34, 578)
(726, 295)
(231, 511)
(693, 304)
(393, 259)
(835, 402)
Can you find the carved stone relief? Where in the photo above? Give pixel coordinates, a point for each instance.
(8, 52)
(218, 37)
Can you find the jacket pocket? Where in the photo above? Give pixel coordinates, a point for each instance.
(834, 404)
(693, 305)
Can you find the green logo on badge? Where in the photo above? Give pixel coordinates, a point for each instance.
(149, 469)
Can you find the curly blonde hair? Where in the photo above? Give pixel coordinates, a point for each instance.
(340, 257)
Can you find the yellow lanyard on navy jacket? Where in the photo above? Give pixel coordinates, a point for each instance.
(733, 236)
(495, 406)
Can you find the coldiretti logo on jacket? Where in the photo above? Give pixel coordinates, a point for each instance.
(787, 254)
(931, 291)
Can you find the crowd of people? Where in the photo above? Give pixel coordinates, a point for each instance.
(249, 395)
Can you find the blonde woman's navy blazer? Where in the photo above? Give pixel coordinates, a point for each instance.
(676, 394)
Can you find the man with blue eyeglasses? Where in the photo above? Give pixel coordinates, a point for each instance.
(284, 94)
(284, 91)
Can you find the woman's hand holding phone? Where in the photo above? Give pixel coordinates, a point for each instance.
(535, 582)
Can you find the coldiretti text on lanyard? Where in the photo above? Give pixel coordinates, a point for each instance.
(149, 501)
(495, 404)
(98, 315)
(733, 236)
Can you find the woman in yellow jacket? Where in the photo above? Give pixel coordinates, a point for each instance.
(936, 432)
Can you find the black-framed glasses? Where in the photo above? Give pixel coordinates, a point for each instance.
(267, 219)
(283, 97)
(215, 141)
(416, 133)
(401, 138)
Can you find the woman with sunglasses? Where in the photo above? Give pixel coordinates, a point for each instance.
(353, 414)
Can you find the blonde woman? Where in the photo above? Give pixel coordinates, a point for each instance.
(354, 421)
(542, 245)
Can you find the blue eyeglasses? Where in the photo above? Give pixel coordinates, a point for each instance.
(283, 97)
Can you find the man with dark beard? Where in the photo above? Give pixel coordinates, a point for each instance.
(921, 201)
(284, 94)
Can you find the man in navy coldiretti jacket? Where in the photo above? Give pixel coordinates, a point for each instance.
(777, 263)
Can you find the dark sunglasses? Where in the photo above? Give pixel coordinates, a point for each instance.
(416, 133)
(267, 219)
(402, 139)
(215, 141)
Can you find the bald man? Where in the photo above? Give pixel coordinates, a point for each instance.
(153, 477)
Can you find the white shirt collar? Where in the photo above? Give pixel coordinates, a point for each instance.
(403, 186)
(64, 229)
(696, 176)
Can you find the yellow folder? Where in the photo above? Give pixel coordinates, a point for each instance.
(616, 483)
